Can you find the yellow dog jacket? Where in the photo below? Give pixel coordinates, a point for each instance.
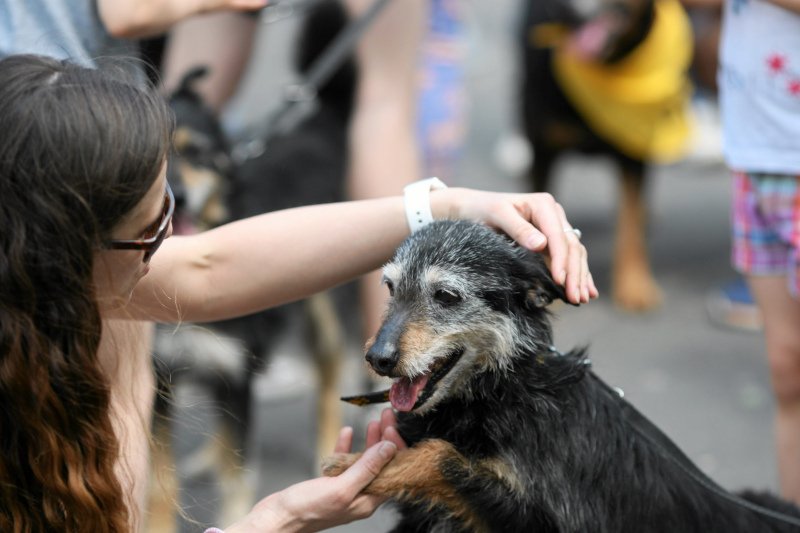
(639, 104)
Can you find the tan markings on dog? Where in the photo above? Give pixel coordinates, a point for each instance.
(500, 468)
(204, 191)
(415, 476)
(547, 35)
(633, 284)
(181, 138)
(416, 340)
(562, 135)
(369, 343)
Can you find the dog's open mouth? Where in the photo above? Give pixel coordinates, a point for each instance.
(407, 394)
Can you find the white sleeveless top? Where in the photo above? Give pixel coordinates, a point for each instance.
(759, 82)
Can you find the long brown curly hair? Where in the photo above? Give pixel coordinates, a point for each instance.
(79, 148)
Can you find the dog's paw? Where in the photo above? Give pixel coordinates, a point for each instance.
(636, 291)
(335, 464)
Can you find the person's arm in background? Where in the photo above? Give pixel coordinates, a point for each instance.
(222, 42)
(145, 18)
(384, 153)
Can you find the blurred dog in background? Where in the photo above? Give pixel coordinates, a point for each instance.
(609, 77)
(207, 371)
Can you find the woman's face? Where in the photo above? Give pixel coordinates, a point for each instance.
(116, 272)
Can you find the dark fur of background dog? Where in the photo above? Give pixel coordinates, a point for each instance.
(507, 434)
(207, 370)
(554, 126)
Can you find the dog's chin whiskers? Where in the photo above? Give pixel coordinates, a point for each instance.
(417, 368)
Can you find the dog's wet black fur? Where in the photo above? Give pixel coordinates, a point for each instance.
(524, 438)
(307, 165)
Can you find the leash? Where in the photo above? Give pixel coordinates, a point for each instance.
(299, 98)
(278, 10)
(670, 451)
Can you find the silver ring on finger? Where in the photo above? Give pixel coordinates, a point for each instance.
(574, 231)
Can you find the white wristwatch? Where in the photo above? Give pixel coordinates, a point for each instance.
(417, 200)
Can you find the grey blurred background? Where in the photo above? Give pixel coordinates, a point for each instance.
(706, 387)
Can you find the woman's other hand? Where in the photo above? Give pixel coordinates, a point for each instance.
(326, 502)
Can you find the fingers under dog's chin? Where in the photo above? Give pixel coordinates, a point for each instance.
(392, 435)
(345, 441)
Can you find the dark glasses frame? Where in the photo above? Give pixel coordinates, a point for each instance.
(150, 244)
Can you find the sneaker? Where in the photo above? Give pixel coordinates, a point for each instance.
(705, 143)
(732, 306)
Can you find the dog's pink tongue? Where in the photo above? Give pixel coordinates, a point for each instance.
(404, 392)
(591, 38)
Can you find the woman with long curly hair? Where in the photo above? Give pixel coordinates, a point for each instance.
(84, 206)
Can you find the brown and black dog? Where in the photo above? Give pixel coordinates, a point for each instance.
(505, 433)
(608, 77)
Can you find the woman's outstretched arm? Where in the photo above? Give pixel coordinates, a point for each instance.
(271, 259)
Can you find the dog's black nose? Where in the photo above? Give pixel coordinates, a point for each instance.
(383, 362)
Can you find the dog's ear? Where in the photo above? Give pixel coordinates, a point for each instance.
(193, 75)
(541, 289)
(544, 292)
(187, 89)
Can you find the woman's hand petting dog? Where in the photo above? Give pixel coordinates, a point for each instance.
(326, 502)
(536, 221)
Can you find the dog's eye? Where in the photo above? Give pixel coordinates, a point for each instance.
(445, 297)
(390, 286)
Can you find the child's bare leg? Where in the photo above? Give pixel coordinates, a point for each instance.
(781, 314)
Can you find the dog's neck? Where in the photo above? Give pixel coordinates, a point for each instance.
(532, 387)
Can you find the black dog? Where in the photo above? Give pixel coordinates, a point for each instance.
(587, 86)
(507, 434)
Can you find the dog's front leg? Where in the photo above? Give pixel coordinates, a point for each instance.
(420, 475)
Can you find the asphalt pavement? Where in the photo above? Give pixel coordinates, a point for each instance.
(706, 387)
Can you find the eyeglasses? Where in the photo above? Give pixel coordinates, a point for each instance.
(155, 233)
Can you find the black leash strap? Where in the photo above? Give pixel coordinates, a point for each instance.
(648, 431)
(299, 98)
